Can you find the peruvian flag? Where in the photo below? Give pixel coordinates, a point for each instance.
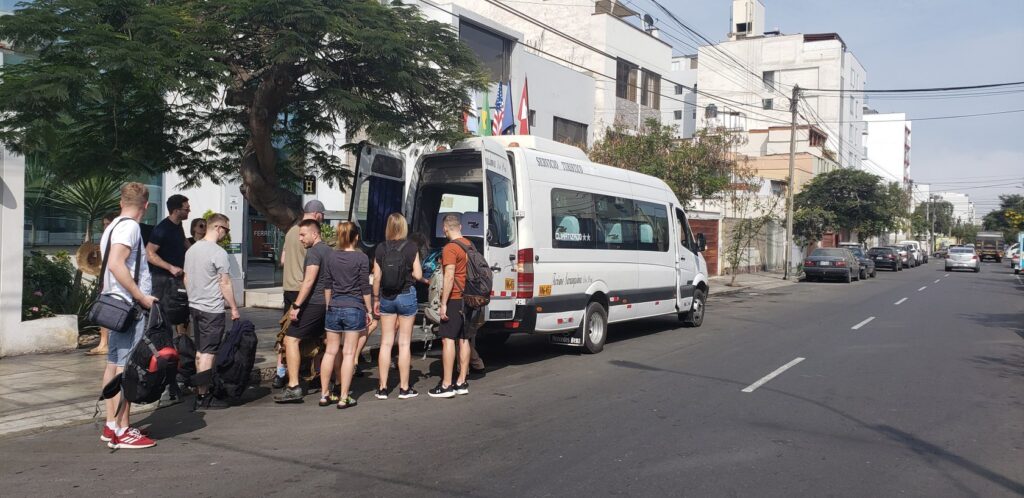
(524, 110)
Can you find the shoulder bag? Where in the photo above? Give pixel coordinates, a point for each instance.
(111, 310)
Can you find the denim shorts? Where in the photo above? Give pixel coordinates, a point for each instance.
(403, 304)
(119, 344)
(345, 319)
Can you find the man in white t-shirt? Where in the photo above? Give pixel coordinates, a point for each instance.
(127, 255)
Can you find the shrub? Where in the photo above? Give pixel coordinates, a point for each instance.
(49, 288)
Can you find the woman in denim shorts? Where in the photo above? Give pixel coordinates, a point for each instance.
(348, 313)
(396, 307)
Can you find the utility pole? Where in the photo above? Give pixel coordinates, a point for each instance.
(790, 186)
(931, 229)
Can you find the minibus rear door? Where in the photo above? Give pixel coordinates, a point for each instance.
(378, 190)
(501, 241)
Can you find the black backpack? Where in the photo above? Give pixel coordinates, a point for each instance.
(235, 359)
(186, 358)
(479, 278)
(175, 301)
(151, 367)
(393, 269)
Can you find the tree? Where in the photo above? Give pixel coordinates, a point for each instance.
(940, 213)
(38, 181)
(1007, 218)
(858, 201)
(810, 224)
(228, 88)
(90, 199)
(694, 169)
(752, 212)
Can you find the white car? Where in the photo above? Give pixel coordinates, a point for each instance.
(963, 258)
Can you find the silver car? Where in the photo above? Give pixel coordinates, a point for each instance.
(963, 258)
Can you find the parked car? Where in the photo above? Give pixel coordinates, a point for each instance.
(1013, 254)
(905, 260)
(867, 265)
(920, 255)
(914, 254)
(963, 258)
(835, 262)
(885, 257)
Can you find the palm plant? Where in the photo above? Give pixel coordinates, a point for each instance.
(38, 180)
(90, 199)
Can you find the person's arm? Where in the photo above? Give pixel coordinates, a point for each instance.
(156, 260)
(376, 288)
(417, 269)
(280, 262)
(308, 282)
(229, 294)
(364, 277)
(117, 264)
(446, 289)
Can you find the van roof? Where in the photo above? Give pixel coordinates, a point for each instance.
(527, 142)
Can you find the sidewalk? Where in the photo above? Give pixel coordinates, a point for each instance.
(749, 282)
(44, 391)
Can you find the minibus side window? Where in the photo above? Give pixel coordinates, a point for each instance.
(572, 219)
(501, 227)
(652, 226)
(616, 227)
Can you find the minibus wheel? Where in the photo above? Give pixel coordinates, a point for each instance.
(595, 327)
(696, 315)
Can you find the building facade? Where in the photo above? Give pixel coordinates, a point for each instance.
(681, 110)
(887, 146)
(963, 208)
(749, 80)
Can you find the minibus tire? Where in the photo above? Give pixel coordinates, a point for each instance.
(693, 318)
(594, 345)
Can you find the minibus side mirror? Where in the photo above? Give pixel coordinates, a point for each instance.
(702, 243)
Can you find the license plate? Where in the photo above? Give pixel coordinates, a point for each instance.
(825, 263)
(880, 259)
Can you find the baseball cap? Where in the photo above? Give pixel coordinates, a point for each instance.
(314, 206)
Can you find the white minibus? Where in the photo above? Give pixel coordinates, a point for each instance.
(574, 245)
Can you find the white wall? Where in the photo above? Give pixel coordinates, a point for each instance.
(684, 74)
(886, 143)
(12, 218)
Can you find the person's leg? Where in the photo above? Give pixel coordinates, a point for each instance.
(405, 325)
(204, 362)
(348, 362)
(292, 359)
(465, 351)
(475, 361)
(387, 341)
(447, 360)
(327, 364)
(109, 372)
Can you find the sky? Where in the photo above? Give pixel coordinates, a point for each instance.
(917, 44)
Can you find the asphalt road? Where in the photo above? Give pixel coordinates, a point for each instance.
(925, 399)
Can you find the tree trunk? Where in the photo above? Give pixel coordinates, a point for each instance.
(261, 186)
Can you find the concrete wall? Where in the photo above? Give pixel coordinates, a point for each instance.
(887, 143)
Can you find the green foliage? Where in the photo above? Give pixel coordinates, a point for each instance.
(226, 241)
(1007, 218)
(227, 88)
(90, 198)
(941, 214)
(48, 285)
(696, 169)
(857, 200)
(329, 234)
(811, 223)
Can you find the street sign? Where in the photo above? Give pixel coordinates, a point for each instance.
(309, 185)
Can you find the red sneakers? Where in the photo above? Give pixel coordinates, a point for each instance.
(108, 434)
(132, 439)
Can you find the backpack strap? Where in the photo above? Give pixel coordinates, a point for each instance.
(465, 250)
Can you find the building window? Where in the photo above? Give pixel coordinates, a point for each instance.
(651, 96)
(626, 80)
(679, 89)
(494, 51)
(768, 78)
(570, 132)
(742, 27)
(677, 115)
(766, 104)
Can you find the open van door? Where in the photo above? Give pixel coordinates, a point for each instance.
(686, 262)
(377, 191)
(500, 229)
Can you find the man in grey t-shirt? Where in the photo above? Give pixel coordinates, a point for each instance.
(208, 282)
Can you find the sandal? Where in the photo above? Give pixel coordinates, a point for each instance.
(348, 402)
(95, 352)
(328, 400)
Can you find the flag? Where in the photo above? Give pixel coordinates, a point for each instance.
(524, 111)
(471, 118)
(508, 122)
(485, 116)
(499, 110)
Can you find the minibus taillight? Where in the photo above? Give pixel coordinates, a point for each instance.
(524, 274)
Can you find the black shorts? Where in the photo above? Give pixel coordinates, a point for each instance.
(289, 298)
(457, 325)
(207, 330)
(311, 322)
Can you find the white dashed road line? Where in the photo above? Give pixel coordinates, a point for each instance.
(861, 324)
(776, 373)
(946, 275)
(897, 303)
(937, 280)
(923, 287)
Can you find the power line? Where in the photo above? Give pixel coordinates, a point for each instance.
(917, 90)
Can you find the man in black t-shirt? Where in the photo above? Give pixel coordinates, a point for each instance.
(166, 250)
